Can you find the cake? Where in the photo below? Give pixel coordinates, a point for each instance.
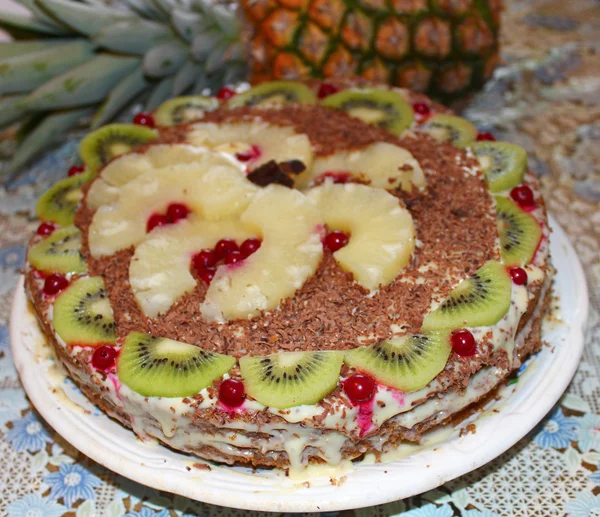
(292, 273)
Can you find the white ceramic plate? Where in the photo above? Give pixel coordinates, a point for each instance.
(521, 407)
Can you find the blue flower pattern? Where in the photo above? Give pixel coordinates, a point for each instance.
(430, 510)
(589, 433)
(595, 476)
(72, 482)
(28, 434)
(585, 504)
(32, 505)
(4, 337)
(557, 432)
(147, 512)
(12, 257)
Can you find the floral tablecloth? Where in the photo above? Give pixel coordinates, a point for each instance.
(546, 97)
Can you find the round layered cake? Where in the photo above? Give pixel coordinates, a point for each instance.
(292, 273)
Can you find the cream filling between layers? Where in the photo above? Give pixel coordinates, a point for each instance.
(311, 430)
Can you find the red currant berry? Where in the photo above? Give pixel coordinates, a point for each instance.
(45, 229)
(75, 170)
(144, 119)
(523, 196)
(225, 93)
(250, 154)
(206, 258)
(54, 284)
(485, 136)
(249, 246)
(338, 177)
(518, 275)
(233, 257)
(177, 211)
(463, 343)
(224, 247)
(422, 109)
(104, 358)
(336, 240)
(207, 273)
(156, 220)
(359, 388)
(232, 393)
(327, 89)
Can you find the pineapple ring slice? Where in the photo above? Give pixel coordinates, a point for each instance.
(277, 143)
(159, 272)
(382, 232)
(290, 227)
(122, 170)
(212, 187)
(384, 165)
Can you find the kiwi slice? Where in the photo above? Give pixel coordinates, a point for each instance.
(289, 379)
(274, 93)
(59, 253)
(407, 363)
(184, 109)
(162, 367)
(458, 131)
(479, 301)
(104, 144)
(83, 315)
(59, 203)
(382, 108)
(504, 164)
(519, 233)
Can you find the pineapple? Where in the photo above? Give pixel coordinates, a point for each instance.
(91, 59)
(382, 234)
(160, 269)
(254, 143)
(382, 165)
(122, 170)
(442, 46)
(290, 227)
(212, 187)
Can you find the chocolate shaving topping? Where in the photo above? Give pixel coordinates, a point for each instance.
(456, 235)
(280, 173)
(292, 167)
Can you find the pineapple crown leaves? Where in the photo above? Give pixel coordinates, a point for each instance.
(71, 58)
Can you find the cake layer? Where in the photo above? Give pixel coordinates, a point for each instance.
(267, 437)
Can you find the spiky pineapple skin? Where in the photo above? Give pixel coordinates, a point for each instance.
(442, 47)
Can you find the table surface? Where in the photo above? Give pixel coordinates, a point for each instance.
(546, 98)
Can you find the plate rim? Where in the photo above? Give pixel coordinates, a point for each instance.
(276, 501)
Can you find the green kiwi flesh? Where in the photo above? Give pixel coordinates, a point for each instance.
(83, 315)
(383, 108)
(274, 93)
(406, 363)
(59, 203)
(288, 379)
(112, 140)
(519, 233)
(184, 109)
(458, 131)
(503, 164)
(161, 367)
(60, 252)
(479, 301)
